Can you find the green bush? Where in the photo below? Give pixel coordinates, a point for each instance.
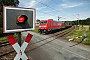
(36, 29)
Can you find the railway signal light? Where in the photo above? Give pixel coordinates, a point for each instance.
(22, 19)
(17, 19)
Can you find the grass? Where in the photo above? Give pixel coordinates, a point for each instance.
(5, 38)
(36, 29)
(15, 35)
(80, 32)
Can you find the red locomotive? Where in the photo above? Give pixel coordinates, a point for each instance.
(46, 26)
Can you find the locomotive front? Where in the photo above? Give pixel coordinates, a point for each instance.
(43, 26)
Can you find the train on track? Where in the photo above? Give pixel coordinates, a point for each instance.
(49, 25)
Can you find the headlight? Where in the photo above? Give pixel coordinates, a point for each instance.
(44, 26)
(39, 26)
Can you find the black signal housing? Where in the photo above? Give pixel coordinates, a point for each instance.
(22, 19)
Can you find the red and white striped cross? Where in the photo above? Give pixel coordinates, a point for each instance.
(18, 49)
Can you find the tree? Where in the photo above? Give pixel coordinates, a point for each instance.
(88, 21)
(38, 20)
(7, 3)
(81, 22)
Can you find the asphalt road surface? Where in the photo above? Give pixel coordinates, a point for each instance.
(56, 49)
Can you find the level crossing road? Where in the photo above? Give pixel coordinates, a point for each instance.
(55, 49)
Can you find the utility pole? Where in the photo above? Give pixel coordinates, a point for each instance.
(59, 18)
(78, 21)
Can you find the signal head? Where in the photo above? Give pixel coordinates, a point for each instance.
(22, 19)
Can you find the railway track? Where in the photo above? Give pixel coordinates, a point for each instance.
(36, 44)
(5, 49)
(48, 40)
(5, 43)
(55, 34)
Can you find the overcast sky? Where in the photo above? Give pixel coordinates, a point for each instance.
(51, 9)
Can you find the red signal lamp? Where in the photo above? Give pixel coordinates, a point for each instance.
(22, 19)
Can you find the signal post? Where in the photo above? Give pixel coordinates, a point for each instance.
(17, 20)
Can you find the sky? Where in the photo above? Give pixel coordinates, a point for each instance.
(67, 10)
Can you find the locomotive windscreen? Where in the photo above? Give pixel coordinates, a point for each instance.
(43, 22)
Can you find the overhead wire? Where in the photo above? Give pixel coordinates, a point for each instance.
(44, 13)
(47, 14)
(65, 10)
(49, 7)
